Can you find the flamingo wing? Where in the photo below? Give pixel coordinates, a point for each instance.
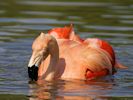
(61, 33)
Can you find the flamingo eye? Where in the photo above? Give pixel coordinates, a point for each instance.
(45, 50)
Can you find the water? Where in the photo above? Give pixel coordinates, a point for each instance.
(22, 20)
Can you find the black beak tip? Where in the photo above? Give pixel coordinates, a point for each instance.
(33, 73)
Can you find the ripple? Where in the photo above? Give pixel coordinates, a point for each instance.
(37, 21)
(41, 13)
(2, 50)
(111, 28)
(7, 33)
(119, 7)
(11, 29)
(5, 20)
(46, 21)
(131, 6)
(118, 16)
(123, 11)
(119, 41)
(127, 21)
(86, 34)
(88, 4)
(3, 39)
(28, 27)
(74, 17)
(27, 20)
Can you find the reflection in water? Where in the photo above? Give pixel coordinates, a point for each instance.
(70, 90)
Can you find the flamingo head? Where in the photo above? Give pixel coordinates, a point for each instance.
(39, 53)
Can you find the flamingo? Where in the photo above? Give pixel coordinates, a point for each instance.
(59, 58)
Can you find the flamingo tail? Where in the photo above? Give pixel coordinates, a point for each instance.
(120, 66)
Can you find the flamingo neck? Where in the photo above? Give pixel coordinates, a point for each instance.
(53, 49)
(52, 67)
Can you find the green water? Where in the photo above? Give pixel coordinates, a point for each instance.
(22, 20)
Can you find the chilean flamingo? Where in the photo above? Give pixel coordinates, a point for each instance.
(68, 59)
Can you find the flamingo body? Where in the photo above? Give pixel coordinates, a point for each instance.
(75, 61)
(63, 54)
(68, 33)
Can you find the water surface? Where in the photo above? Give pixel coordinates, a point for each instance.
(22, 20)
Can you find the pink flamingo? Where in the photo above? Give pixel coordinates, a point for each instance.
(68, 59)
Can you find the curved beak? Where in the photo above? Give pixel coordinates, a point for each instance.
(34, 60)
(33, 67)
